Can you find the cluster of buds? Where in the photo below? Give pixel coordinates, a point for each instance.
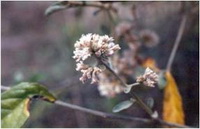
(88, 72)
(90, 47)
(149, 78)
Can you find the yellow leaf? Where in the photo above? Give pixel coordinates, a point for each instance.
(172, 106)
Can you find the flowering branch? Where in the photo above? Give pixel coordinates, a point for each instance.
(109, 115)
(101, 48)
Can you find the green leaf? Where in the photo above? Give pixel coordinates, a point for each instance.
(15, 103)
(123, 105)
(162, 81)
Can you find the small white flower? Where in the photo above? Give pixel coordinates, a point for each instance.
(86, 48)
(149, 78)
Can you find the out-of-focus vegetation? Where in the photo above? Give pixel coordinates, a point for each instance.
(37, 48)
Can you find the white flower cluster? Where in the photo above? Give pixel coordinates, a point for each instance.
(88, 72)
(149, 78)
(92, 45)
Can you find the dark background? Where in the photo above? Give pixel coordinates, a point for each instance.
(39, 48)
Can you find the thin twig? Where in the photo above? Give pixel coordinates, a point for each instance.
(110, 115)
(115, 116)
(177, 42)
(142, 104)
(172, 124)
(101, 114)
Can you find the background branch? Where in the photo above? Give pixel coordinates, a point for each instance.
(177, 42)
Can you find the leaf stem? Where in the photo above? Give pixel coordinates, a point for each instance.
(134, 84)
